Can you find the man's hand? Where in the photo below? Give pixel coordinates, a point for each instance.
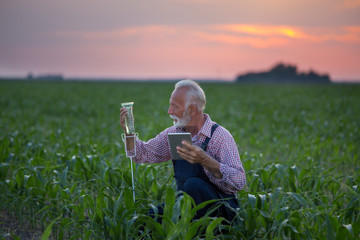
(194, 154)
(191, 153)
(129, 140)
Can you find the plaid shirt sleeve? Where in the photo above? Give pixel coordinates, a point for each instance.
(155, 150)
(222, 148)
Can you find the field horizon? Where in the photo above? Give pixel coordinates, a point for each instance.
(161, 80)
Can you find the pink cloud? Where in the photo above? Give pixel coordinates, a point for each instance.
(257, 36)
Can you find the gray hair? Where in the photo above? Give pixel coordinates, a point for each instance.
(194, 93)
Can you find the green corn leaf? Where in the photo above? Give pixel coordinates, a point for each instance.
(47, 232)
(118, 204)
(186, 206)
(252, 200)
(356, 228)
(194, 228)
(261, 204)
(330, 228)
(169, 204)
(63, 178)
(155, 188)
(129, 199)
(292, 174)
(345, 232)
(299, 199)
(178, 230)
(212, 226)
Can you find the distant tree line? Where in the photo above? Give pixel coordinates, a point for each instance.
(49, 76)
(283, 73)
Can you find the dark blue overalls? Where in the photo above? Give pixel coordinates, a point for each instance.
(192, 179)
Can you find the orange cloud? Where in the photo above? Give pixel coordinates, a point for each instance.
(351, 3)
(262, 30)
(349, 35)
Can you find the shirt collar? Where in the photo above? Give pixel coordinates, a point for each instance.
(206, 128)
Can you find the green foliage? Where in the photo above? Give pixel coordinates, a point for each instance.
(63, 168)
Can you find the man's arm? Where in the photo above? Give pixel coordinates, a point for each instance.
(194, 154)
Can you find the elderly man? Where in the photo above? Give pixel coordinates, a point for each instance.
(211, 167)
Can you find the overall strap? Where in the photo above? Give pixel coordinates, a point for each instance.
(206, 142)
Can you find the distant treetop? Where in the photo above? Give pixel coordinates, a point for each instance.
(283, 73)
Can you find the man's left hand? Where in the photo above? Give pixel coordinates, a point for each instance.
(194, 154)
(191, 153)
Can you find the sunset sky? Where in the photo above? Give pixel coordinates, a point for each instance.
(151, 39)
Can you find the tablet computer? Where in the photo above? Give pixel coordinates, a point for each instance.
(175, 140)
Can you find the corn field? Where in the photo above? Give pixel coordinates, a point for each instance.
(64, 173)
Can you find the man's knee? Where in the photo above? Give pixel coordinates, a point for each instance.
(199, 190)
(194, 186)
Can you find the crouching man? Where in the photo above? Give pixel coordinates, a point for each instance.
(211, 167)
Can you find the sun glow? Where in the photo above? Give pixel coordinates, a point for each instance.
(262, 30)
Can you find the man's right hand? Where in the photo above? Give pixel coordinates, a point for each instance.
(129, 140)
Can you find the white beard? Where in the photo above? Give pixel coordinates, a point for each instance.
(181, 122)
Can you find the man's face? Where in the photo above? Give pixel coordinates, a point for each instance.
(177, 110)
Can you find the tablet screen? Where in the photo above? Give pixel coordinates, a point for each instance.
(175, 140)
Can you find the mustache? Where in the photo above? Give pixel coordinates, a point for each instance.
(174, 117)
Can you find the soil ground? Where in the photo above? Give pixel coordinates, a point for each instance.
(11, 228)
